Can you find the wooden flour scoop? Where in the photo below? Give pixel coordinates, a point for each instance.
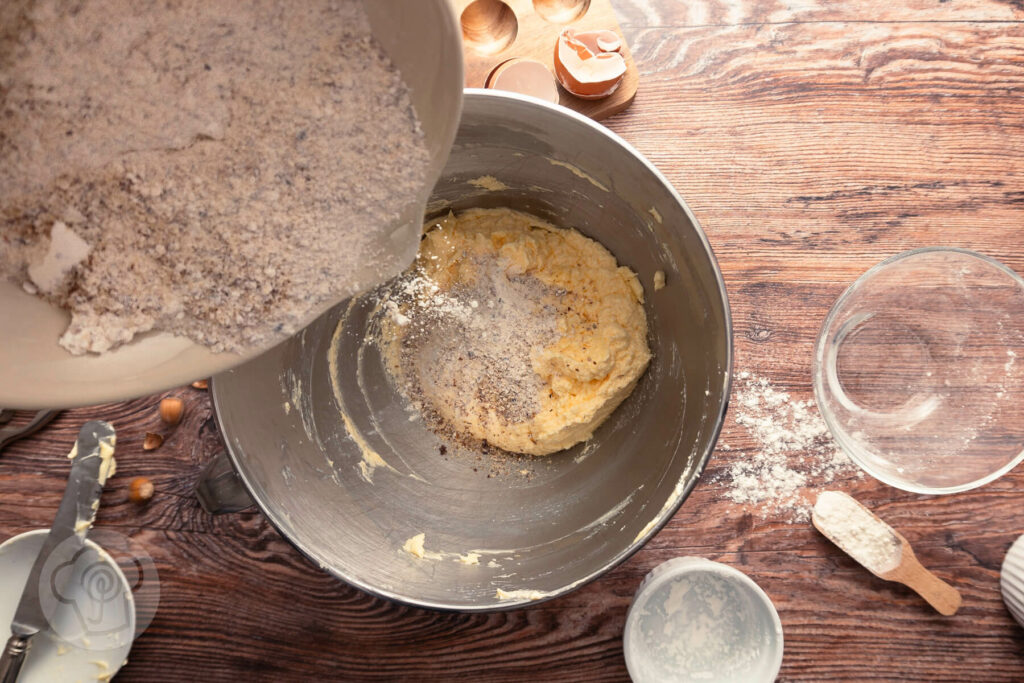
(880, 549)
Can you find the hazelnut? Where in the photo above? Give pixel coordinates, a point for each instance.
(171, 410)
(152, 441)
(140, 490)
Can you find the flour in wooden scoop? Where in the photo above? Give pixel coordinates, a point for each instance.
(220, 170)
(867, 539)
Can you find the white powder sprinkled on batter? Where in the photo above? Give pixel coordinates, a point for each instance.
(866, 539)
(475, 358)
(792, 450)
(513, 334)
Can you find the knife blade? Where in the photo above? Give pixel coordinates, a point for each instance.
(92, 463)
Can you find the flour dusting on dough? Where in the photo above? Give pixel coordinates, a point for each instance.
(514, 333)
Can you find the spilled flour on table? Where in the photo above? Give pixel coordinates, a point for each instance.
(792, 451)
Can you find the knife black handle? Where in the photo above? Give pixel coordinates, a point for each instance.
(12, 658)
(9, 435)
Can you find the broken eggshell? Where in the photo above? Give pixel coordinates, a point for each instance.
(588, 64)
(600, 41)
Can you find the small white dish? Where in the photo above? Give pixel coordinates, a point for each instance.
(92, 622)
(1011, 580)
(697, 620)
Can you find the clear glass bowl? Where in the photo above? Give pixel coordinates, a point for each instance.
(919, 370)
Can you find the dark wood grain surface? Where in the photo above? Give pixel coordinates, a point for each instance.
(811, 139)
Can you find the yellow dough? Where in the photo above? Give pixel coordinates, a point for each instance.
(588, 358)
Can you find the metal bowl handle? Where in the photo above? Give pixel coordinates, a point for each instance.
(220, 490)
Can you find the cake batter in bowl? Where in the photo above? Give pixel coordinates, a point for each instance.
(511, 331)
(342, 466)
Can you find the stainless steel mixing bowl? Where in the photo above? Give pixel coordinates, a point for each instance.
(495, 542)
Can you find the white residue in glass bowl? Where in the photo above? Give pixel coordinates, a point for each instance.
(697, 620)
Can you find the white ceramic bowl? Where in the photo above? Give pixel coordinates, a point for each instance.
(92, 623)
(697, 620)
(424, 41)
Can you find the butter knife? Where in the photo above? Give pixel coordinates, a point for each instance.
(92, 462)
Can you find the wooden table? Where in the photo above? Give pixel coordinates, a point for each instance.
(811, 139)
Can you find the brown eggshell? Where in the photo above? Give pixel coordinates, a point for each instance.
(584, 73)
(600, 41)
(525, 76)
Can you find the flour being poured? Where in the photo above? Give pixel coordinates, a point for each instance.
(216, 169)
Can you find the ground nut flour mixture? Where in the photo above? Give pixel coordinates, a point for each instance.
(212, 168)
(514, 333)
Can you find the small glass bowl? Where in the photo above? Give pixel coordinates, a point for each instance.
(693, 620)
(919, 370)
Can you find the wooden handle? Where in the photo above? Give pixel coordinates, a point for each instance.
(944, 598)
